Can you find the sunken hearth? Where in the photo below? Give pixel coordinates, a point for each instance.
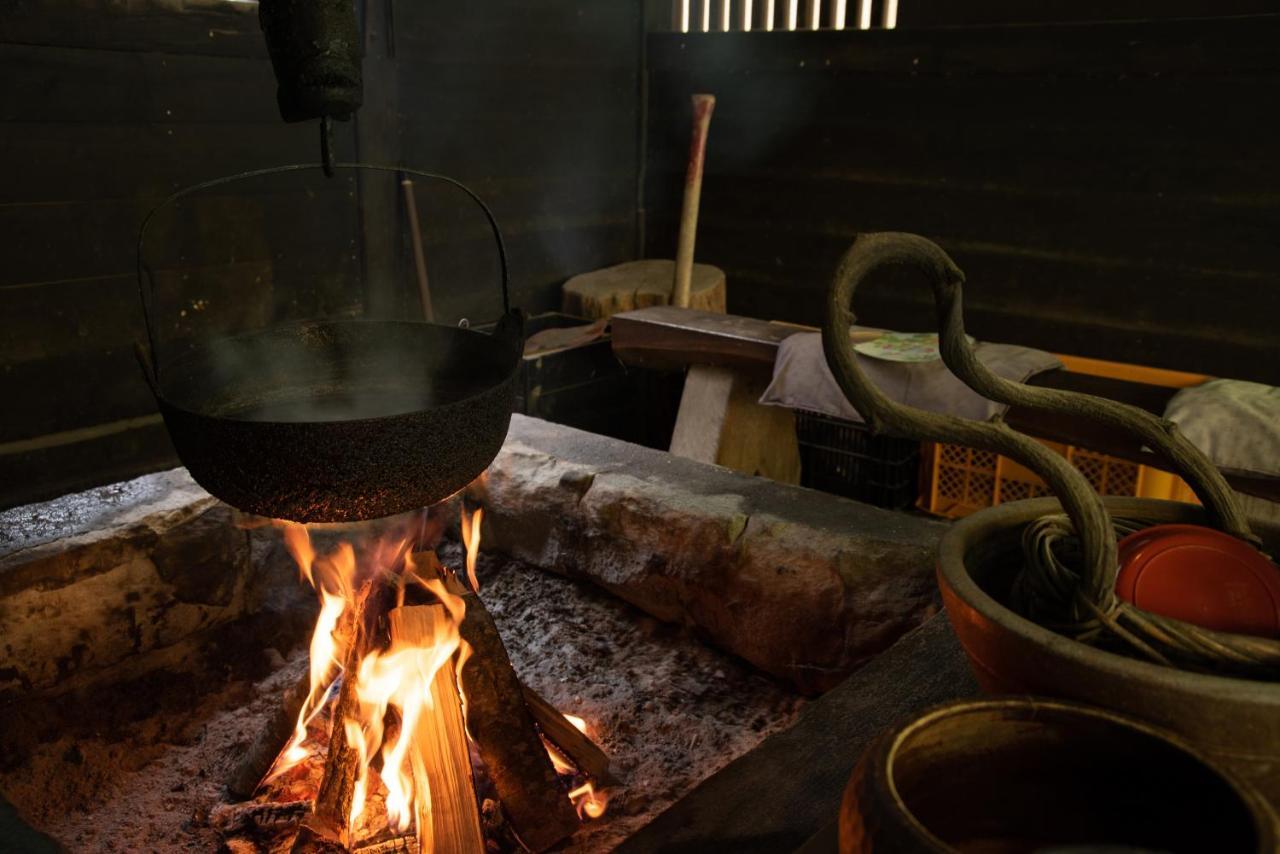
(167, 684)
(668, 710)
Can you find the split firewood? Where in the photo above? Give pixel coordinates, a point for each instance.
(584, 753)
(328, 825)
(229, 819)
(449, 822)
(537, 805)
(262, 753)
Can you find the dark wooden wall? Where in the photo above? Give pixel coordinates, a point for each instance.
(935, 13)
(536, 106)
(103, 115)
(107, 109)
(1112, 190)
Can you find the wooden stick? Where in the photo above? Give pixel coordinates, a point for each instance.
(516, 760)
(584, 753)
(702, 108)
(266, 746)
(449, 822)
(328, 825)
(419, 256)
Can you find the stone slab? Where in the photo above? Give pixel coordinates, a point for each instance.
(785, 794)
(804, 585)
(92, 579)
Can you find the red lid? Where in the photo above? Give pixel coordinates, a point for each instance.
(1201, 576)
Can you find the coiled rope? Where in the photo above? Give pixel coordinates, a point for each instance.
(1049, 591)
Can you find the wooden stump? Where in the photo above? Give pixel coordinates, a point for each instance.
(640, 284)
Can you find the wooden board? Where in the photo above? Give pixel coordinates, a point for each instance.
(640, 284)
(775, 797)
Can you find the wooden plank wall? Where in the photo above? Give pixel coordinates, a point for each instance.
(536, 107)
(109, 107)
(1112, 190)
(107, 111)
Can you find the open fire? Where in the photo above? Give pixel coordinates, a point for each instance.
(387, 720)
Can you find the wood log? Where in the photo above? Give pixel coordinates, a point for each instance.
(449, 822)
(640, 284)
(537, 805)
(266, 746)
(584, 753)
(328, 826)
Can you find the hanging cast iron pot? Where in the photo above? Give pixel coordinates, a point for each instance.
(336, 420)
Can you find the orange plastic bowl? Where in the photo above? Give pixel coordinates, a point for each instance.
(1202, 576)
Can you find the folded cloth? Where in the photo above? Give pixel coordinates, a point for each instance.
(1235, 423)
(802, 380)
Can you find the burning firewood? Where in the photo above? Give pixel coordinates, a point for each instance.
(514, 757)
(449, 820)
(262, 753)
(401, 631)
(584, 753)
(328, 826)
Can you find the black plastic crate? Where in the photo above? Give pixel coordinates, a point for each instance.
(585, 386)
(844, 458)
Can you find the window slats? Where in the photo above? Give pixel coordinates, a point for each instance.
(780, 15)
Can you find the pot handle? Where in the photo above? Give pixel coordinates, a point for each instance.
(146, 279)
(1084, 507)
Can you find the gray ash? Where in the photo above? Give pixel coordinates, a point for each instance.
(669, 711)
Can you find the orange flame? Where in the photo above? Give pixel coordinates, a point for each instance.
(589, 803)
(332, 575)
(398, 677)
(471, 539)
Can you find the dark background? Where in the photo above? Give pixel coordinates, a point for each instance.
(1111, 187)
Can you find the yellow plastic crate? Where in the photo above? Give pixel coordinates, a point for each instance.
(963, 480)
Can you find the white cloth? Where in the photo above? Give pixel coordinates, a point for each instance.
(1235, 423)
(802, 380)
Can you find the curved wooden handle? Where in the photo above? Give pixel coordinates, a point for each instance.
(870, 251)
(703, 105)
(1160, 435)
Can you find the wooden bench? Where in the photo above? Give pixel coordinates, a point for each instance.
(665, 337)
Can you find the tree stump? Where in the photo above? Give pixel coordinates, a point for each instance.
(640, 284)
